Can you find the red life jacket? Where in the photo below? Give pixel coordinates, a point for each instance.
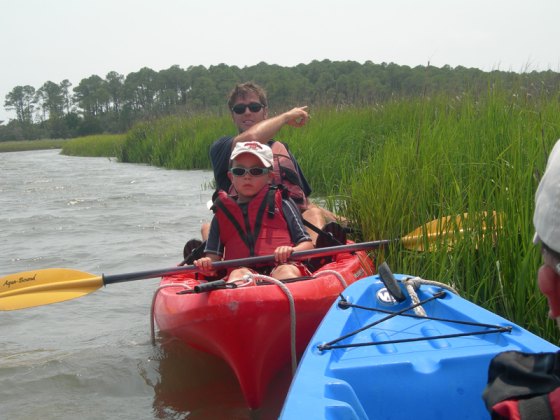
(259, 231)
(542, 407)
(286, 174)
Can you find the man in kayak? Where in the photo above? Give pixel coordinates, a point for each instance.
(525, 385)
(248, 104)
(256, 220)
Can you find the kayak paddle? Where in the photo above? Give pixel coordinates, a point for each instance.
(44, 286)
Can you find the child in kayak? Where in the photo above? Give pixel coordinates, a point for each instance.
(256, 221)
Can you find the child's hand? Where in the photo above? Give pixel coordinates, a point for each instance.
(205, 265)
(282, 253)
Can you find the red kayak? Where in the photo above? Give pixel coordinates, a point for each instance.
(250, 326)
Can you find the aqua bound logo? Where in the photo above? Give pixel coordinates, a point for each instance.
(8, 283)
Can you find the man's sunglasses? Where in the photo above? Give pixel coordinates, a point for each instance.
(253, 107)
(256, 171)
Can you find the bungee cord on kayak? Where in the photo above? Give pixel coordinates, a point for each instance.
(346, 305)
(411, 285)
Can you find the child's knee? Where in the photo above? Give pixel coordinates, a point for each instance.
(285, 271)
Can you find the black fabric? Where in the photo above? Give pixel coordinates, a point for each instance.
(332, 234)
(518, 375)
(218, 203)
(271, 200)
(335, 235)
(193, 250)
(535, 408)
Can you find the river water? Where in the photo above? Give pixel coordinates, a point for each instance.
(92, 357)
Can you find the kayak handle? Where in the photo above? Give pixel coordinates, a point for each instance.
(211, 285)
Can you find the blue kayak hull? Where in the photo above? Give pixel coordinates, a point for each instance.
(417, 368)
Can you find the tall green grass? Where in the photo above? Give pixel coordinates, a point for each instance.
(175, 142)
(394, 167)
(99, 145)
(455, 156)
(25, 145)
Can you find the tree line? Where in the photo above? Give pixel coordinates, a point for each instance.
(114, 103)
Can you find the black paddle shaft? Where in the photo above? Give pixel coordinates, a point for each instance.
(250, 261)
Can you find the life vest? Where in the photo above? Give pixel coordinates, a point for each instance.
(257, 229)
(286, 174)
(524, 386)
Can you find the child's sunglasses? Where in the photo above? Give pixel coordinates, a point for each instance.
(256, 171)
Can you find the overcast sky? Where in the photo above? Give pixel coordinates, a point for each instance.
(54, 40)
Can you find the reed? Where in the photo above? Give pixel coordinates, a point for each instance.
(100, 145)
(174, 142)
(471, 155)
(24, 145)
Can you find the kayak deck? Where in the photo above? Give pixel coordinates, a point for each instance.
(402, 367)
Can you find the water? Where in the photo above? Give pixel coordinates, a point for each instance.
(92, 358)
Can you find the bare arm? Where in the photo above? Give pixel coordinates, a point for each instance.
(265, 130)
(303, 246)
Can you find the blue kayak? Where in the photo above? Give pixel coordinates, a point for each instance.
(375, 357)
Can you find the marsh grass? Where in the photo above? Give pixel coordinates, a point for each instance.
(455, 156)
(394, 167)
(174, 142)
(24, 145)
(100, 145)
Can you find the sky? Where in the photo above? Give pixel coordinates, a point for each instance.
(54, 40)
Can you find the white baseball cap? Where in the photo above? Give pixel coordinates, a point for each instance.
(262, 151)
(547, 203)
